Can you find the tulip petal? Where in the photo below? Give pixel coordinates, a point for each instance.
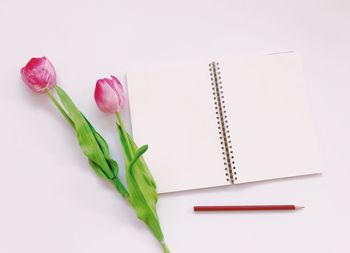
(105, 96)
(39, 74)
(109, 94)
(120, 90)
(117, 91)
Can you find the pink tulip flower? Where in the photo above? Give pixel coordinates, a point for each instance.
(110, 95)
(39, 74)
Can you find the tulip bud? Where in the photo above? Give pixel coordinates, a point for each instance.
(109, 95)
(39, 74)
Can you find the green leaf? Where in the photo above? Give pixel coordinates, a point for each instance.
(97, 169)
(141, 186)
(104, 147)
(139, 152)
(147, 174)
(94, 149)
(127, 152)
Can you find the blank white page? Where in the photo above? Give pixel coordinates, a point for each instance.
(172, 110)
(270, 124)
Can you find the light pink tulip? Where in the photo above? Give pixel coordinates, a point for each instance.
(110, 95)
(39, 74)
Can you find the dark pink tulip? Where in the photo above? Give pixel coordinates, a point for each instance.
(39, 74)
(110, 95)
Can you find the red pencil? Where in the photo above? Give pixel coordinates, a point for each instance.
(245, 208)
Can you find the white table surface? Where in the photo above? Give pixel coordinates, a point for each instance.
(51, 201)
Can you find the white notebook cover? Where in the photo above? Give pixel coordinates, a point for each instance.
(270, 128)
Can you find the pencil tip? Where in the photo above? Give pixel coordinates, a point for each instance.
(299, 207)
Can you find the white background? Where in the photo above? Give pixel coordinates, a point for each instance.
(51, 201)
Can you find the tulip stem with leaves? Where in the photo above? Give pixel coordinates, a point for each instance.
(40, 76)
(141, 185)
(91, 142)
(143, 197)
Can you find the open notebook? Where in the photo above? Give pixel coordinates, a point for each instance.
(224, 122)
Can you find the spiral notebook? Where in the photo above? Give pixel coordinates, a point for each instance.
(223, 122)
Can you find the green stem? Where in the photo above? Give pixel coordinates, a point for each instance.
(121, 188)
(164, 247)
(125, 135)
(60, 108)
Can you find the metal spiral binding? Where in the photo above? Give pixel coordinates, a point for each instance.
(225, 138)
